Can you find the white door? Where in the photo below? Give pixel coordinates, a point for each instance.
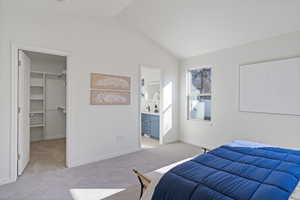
(24, 107)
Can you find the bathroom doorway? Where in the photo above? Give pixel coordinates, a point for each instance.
(150, 106)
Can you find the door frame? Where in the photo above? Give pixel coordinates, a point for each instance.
(14, 103)
(161, 141)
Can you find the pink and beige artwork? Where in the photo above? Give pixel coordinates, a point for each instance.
(110, 97)
(105, 81)
(110, 89)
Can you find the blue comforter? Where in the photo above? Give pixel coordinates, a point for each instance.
(233, 173)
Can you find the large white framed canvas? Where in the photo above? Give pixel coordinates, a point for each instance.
(109, 89)
(271, 87)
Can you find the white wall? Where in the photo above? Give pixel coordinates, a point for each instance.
(4, 105)
(55, 120)
(227, 122)
(102, 45)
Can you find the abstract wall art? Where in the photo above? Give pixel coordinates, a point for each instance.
(109, 97)
(109, 89)
(105, 81)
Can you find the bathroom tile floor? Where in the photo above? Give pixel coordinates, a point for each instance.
(148, 143)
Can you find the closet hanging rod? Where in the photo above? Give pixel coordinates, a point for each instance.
(46, 73)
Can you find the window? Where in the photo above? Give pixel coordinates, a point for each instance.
(199, 94)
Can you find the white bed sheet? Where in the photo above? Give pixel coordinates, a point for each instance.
(238, 143)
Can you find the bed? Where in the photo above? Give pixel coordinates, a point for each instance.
(239, 170)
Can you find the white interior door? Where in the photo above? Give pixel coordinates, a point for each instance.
(23, 111)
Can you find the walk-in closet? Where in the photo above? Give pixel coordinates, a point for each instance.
(47, 113)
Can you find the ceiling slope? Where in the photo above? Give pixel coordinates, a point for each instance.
(191, 27)
(82, 8)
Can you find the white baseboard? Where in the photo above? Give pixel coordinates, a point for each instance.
(83, 162)
(103, 157)
(6, 181)
(49, 138)
(52, 137)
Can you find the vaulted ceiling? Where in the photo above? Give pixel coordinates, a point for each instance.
(185, 27)
(191, 27)
(83, 8)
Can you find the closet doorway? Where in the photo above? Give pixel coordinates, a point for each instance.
(41, 112)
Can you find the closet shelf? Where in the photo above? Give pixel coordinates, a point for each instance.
(37, 112)
(36, 99)
(62, 109)
(36, 125)
(63, 73)
(46, 73)
(36, 72)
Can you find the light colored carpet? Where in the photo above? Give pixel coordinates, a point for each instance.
(131, 193)
(113, 173)
(46, 155)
